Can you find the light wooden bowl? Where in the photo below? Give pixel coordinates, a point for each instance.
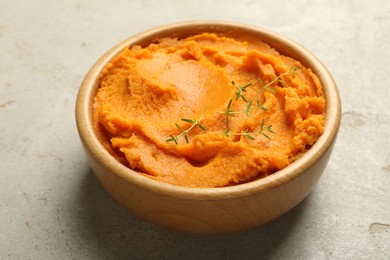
(210, 210)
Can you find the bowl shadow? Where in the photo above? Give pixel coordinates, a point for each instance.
(114, 233)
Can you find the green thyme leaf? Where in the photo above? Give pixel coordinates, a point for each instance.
(248, 108)
(188, 120)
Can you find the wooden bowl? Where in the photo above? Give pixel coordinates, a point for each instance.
(210, 210)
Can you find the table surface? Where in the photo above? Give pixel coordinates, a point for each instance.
(51, 204)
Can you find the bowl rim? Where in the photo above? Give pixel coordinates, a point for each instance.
(88, 88)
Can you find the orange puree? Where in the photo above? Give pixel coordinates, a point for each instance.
(145, 92)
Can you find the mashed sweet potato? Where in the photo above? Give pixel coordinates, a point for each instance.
(207, 110)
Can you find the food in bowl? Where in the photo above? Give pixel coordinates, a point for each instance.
(207, 110)
(218, 209)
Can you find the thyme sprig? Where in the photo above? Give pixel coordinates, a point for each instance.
(194, 123)
(263, 130)
(251, 135)
(258, 105)
(241, 90)
(277, 79)
(231, 113)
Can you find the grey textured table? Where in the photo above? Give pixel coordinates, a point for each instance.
(51, 205)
